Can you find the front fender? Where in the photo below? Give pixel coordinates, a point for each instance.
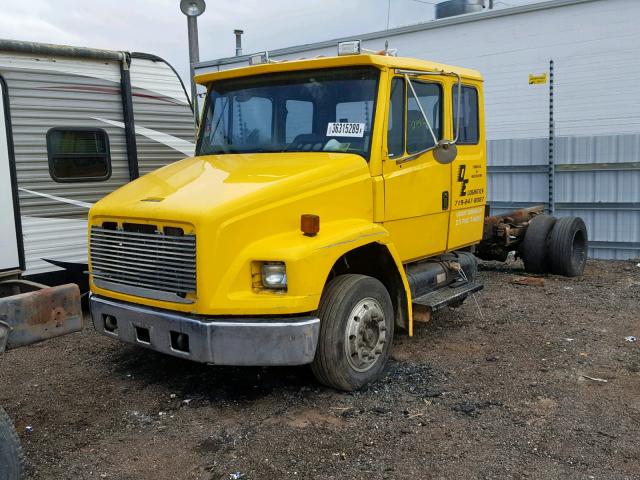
(308, 261)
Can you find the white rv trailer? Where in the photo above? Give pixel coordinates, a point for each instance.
(78, 123)
(561, 104)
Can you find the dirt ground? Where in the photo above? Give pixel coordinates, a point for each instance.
(502, 394)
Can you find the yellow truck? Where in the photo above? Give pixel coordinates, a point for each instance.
(325, 198)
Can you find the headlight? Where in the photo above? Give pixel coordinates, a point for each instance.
(274, 275)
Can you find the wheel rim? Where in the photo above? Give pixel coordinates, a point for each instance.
(365, 335)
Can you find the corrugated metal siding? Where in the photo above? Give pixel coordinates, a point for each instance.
(160, 104)
(41, 98)
(594, 46)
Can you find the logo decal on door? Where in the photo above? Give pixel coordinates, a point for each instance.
(463, 180)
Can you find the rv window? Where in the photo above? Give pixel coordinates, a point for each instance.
(78, 154)
(469, 131)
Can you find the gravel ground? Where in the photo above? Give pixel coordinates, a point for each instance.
(502, 394)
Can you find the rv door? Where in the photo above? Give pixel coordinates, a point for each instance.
(9, 241)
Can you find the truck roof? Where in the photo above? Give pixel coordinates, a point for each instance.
(379, 61)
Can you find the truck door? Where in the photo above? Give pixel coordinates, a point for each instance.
(468, 189)
(417, 187)
(9, 218)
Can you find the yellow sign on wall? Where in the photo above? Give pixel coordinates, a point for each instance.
(537, 79)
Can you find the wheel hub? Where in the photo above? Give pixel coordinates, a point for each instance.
(365, 335)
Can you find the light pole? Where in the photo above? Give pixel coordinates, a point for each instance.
(192, 9)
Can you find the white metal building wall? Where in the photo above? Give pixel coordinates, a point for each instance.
(594, 45)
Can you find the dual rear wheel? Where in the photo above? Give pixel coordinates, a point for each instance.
(556, 246)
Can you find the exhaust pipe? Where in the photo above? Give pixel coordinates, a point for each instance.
(238, 34)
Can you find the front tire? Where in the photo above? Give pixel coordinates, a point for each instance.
(11, 457)
(356, 332)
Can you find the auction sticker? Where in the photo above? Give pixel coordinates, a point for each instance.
(345, 129)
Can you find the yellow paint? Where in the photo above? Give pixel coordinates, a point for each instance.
(245, 208)
(537, 79)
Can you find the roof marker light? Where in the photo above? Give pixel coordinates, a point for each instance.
(259, 58)
(353, 47)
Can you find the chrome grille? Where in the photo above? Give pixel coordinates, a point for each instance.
(154, 265)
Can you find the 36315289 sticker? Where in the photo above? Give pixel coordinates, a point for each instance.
(345, 129)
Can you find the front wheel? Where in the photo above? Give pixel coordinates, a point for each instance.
(356, 332)
(11, 458)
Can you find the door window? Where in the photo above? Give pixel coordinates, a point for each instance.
(419, 137)
(469, 128)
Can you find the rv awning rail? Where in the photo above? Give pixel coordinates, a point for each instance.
(59, 50)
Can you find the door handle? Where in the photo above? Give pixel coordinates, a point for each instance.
(445, 200)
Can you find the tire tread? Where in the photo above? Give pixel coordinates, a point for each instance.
(561, 246)
(12, 467)
(323, 367)
(535, 246)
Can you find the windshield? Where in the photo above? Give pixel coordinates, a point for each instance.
(327, 110)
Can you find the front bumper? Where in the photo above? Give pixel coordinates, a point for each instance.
(222, 341)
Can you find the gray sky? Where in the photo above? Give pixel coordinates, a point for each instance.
(158, 26)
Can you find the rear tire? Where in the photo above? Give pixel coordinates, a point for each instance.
(11, 457)
(356, 332)
(535, 246)
(568, 245)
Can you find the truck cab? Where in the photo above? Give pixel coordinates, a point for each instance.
(326, 196)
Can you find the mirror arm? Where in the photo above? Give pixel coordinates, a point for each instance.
(424, 115)
(413, 156)
(417, 73)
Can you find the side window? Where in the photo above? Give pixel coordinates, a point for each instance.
(253, 119)
(469, 128)
(395, 132)
(418, 136)
(78, 154)
(299, 119)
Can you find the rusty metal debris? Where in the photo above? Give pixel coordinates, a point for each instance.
(503, 233)
(31, 312)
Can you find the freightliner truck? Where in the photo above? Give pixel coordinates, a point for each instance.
(326, 198)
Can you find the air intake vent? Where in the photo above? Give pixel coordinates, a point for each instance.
(157, 265)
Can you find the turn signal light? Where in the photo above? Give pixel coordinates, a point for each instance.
(310, 224)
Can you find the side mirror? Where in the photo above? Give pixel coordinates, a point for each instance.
(445, 152)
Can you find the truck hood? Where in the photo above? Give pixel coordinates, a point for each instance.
(227, 184)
